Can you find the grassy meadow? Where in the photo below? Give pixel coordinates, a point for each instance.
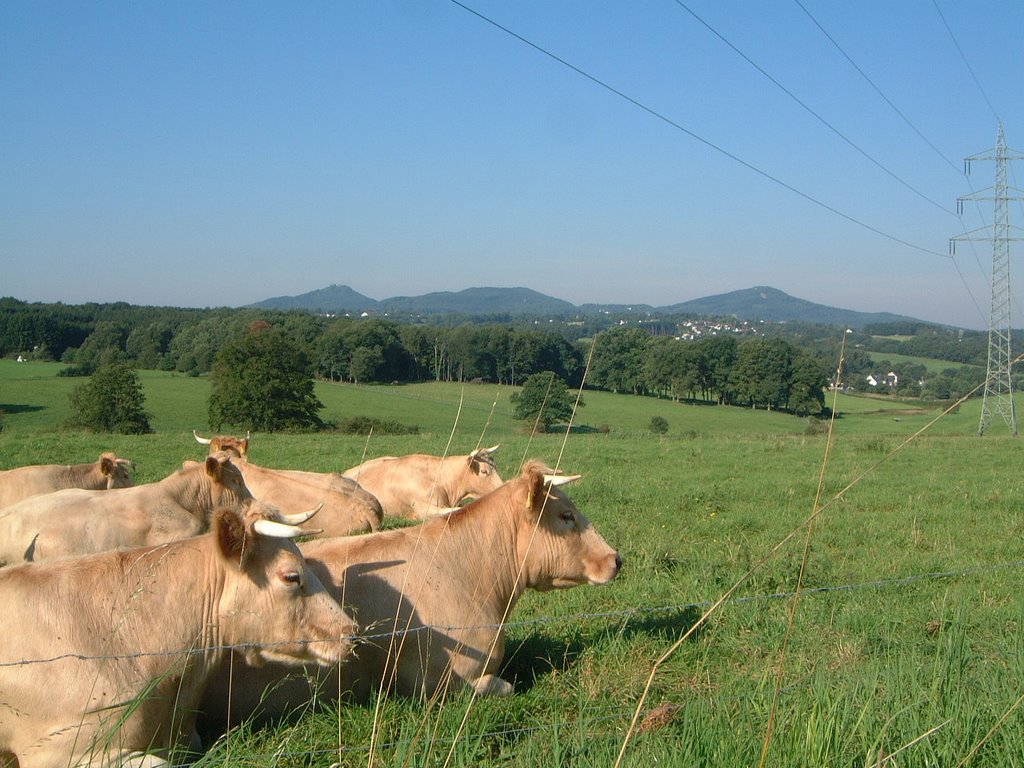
(904, 648)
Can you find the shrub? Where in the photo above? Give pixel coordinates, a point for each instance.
(544, 400)
(110, 401)
(263, 380)
(362, 425)
(659, 425)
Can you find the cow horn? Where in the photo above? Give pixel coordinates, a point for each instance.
(203, 440)
(247, 434)
(555, 480)
(298, 518)
(277, 530)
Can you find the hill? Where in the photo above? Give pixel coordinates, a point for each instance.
(771, 304)
(751, 304)
(336, 299)
(480, 301)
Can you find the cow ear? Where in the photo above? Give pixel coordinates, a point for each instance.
(234, 540)
(106, 464)
(213, 466)
(536, 489)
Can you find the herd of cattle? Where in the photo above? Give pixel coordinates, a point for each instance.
(142, 616)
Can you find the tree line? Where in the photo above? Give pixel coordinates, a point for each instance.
(782, 366)
(760, 372)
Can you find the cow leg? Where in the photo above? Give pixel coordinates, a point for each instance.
(135, 760)
(492, 685)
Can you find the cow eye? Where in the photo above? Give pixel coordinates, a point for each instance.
(292, 577)
(567, 516)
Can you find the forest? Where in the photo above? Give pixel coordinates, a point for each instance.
(766, 365)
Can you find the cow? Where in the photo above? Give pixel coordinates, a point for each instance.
(78, 522)
(19, 483)
(346, 507)
(238, 445)
(418, 485)
(432, 599)
(109, 654)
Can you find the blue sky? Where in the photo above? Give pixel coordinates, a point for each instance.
(212, 154)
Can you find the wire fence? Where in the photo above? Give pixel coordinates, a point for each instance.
(541, 621)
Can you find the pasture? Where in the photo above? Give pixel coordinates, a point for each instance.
(904, 646)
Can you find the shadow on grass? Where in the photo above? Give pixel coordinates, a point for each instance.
(5, 408)
(539, 655)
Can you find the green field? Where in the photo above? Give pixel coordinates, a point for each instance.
(931, 364)
(904, 649)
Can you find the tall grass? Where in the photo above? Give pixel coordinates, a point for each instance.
(907, 645)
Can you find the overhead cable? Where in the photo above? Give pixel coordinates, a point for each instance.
(711, 145)
(878, 90)
(811, 111)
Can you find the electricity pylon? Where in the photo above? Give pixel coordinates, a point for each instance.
(998, 399)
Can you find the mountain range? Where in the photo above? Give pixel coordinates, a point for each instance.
(750, 304)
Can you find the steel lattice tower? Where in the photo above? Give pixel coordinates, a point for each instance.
(998, 399)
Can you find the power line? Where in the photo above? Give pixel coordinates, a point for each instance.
(924, 138)
(878, 90)
(966, 62)
(810, 110)
(711, 145)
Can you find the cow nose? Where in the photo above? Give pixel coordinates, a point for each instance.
(618, 562)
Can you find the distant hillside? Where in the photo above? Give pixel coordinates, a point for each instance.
(336, 299)
(752, 304)
(771, 304)
(480, 301)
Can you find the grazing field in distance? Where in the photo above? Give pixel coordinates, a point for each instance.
(904, 648)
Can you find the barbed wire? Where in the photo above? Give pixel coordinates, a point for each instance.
(624, 613)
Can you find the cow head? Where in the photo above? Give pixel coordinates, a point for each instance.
(236, 445)
(271, 600)
(482, 476)
(228, 488)
(559, 545)
(115, 470)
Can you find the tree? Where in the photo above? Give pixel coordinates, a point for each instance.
(263, 380)
(808, 379)
(103, 347)
(364, 363)
(544, 399)
(618, 360)
(761, 375)
(716, 357)
(147, 345)
(110, 401)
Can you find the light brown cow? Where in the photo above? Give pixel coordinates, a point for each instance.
(434, 596)
(21, 482)
(78, 522)
(107, 655)
(420, 486)
(341, 513)
(346, 507)
(238, 445)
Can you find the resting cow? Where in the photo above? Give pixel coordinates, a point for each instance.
(433, 596)
(419, 486)
(344, 507)
(107, 656)
(77, 522)
(20, 483)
